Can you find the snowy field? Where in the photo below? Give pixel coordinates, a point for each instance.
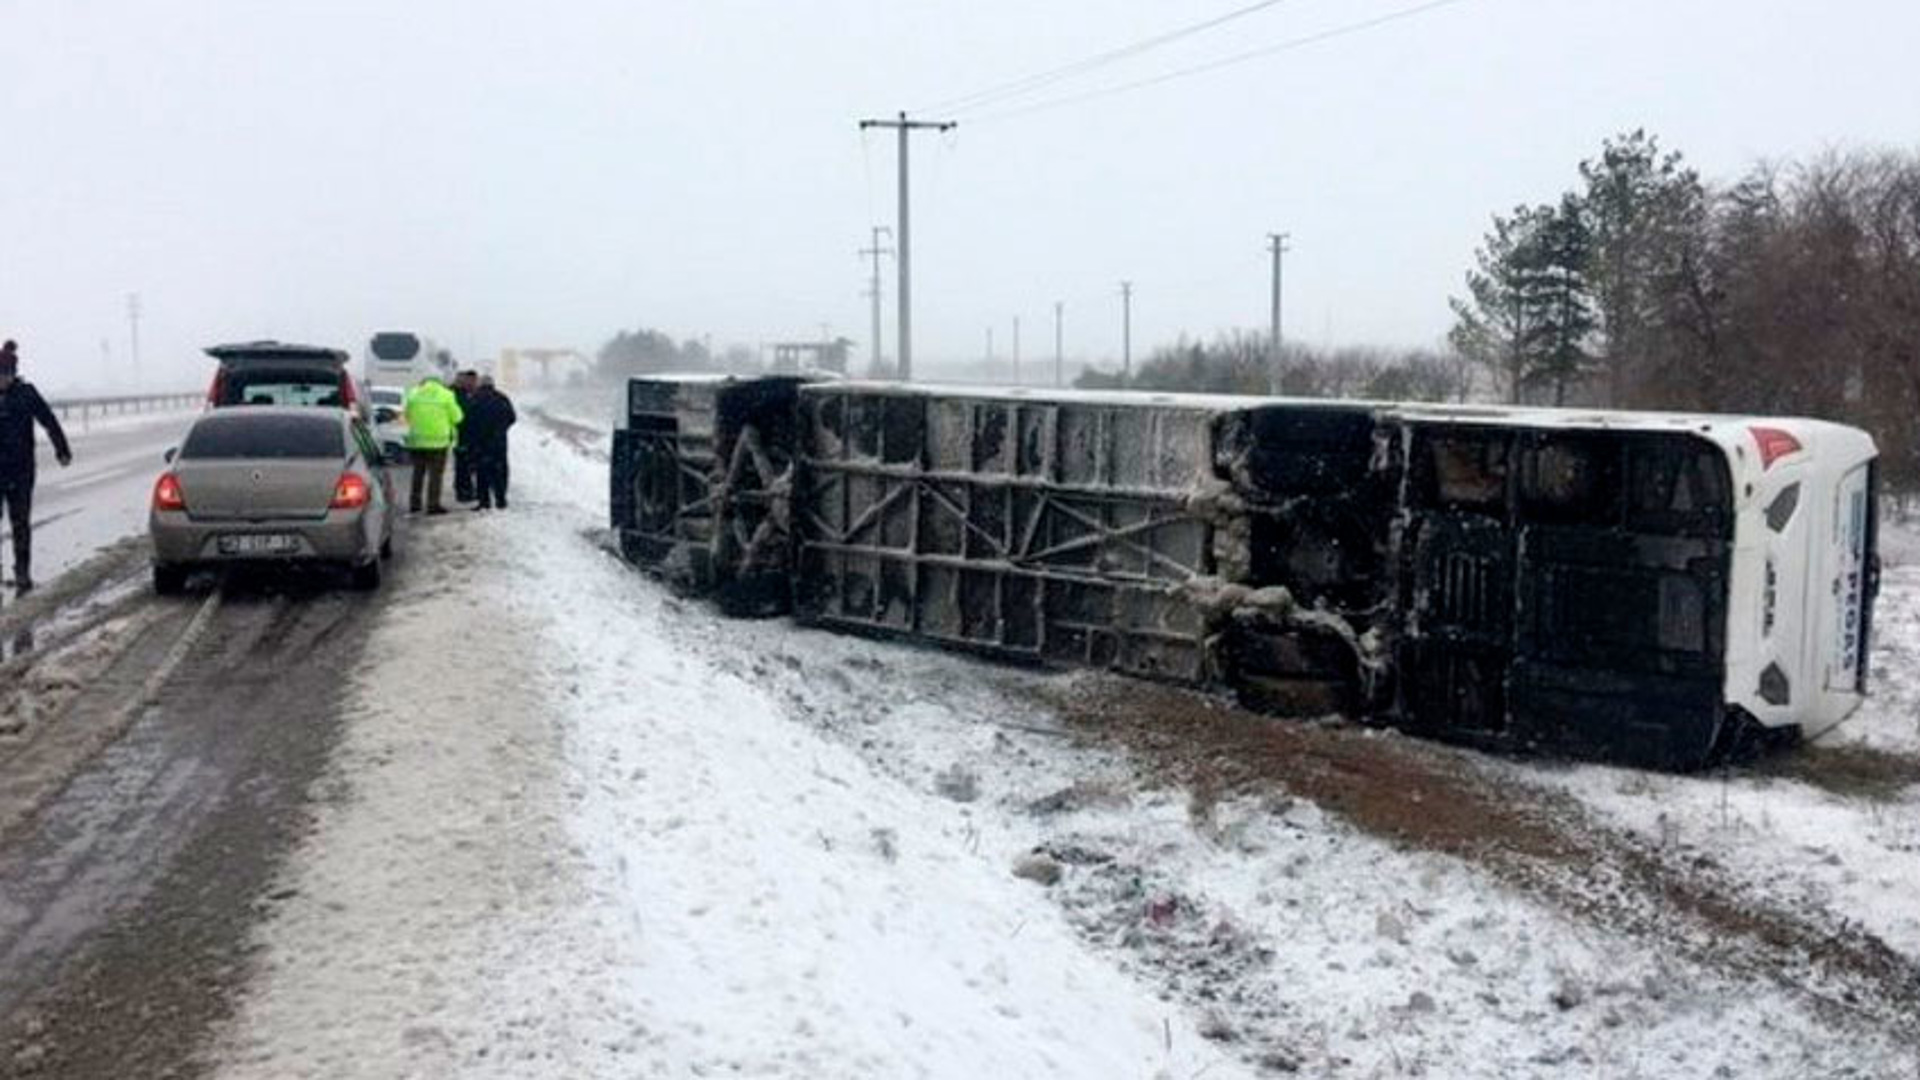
(583, 828)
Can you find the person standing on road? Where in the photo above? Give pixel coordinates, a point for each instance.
(433, 422)
(21, 406)
(487, 423)
(464, 458)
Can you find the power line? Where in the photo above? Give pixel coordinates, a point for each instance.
(1289, 45)
(978, 98)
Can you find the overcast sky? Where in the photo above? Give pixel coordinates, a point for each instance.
(546, 173)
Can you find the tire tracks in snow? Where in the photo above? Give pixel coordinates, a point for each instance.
(164, 799)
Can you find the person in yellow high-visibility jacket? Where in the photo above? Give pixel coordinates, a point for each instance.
(433, 425)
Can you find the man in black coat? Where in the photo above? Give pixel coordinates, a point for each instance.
(464, 384)
(488, 417)
(21, 406)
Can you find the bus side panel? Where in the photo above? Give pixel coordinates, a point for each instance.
(1565, 589)
(1623, 583)
(1620, 646)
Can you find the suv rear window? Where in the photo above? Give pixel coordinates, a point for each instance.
(282, 386)
(237, 435)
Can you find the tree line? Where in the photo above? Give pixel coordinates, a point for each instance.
(1239, 362)
(647, 351)
(1794, 289)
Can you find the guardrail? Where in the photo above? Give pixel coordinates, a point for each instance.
(86, 408)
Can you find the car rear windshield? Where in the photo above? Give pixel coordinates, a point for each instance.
(283, 386)
(236, 435)
(392, 346)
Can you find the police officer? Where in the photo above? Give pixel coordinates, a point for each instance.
(21, 406)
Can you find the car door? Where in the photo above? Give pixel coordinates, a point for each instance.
(381, 524)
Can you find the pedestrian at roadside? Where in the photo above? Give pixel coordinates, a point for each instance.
(464, 384)
(491, 415)
(433, 423)
(21, 406)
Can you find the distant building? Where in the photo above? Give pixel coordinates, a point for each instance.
(794, 356)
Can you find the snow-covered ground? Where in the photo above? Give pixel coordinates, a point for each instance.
(582, 828)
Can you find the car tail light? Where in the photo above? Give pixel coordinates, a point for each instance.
(167, 494)
(216, 391)
(351, 492)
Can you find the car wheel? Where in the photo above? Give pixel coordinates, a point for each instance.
(366, 576)
(169, 580)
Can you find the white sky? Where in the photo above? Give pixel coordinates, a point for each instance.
(523, 173)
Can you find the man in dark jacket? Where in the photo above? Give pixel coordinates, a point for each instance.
(488, 419)
(21, 406)
(464, 384)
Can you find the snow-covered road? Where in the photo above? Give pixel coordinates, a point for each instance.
(579, 828)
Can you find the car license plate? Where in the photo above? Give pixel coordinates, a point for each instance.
(259, 544)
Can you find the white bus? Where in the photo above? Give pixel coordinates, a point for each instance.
(1659, 588)
(402, 358)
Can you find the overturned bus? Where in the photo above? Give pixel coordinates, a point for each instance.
(1651, 588)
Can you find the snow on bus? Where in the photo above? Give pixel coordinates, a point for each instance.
(1654, 588)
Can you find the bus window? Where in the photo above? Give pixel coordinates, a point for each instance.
(1466, 470)
(1853, 583)
(1679, 487)
(1571, 480)
(395, 347)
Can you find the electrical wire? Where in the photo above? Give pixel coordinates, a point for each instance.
(1016, 87)
(1289, 45)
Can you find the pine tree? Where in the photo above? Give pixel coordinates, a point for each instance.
(1506, 320)
(1642, 207)
(1555, 263)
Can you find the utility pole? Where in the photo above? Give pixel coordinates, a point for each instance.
(1016, 350)
(133, 331)
(1126, 332)
(873, 290)
(1059, 361)
(904, 237)
(1277, 243)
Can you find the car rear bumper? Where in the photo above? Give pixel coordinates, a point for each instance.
(339, 537)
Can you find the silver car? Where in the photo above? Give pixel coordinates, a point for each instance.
(272, 484)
